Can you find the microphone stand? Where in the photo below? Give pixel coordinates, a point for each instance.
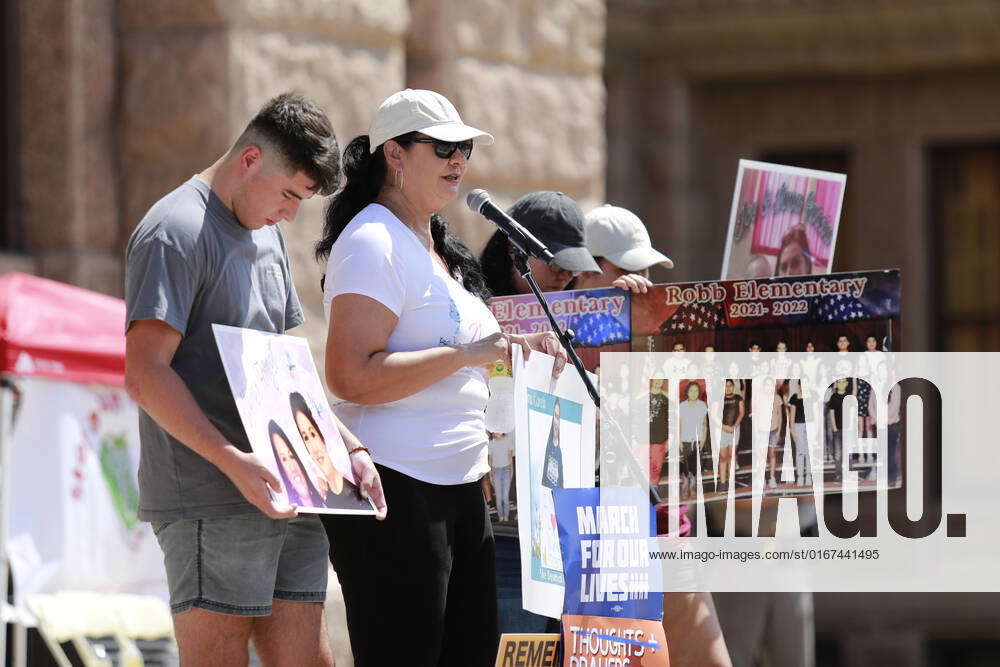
(566, 338)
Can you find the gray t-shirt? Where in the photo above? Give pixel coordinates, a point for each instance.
(190, 263)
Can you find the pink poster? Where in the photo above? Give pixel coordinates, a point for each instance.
(783, 221)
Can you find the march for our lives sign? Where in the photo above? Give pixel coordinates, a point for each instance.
(604, 536)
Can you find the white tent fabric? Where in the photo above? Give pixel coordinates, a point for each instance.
(73, 498)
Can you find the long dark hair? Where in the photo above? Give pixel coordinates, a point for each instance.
(498, 265)
(298, 404)
(293, 495)
(365, 173)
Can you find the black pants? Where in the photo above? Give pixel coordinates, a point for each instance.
(419, 587)
(690, 451)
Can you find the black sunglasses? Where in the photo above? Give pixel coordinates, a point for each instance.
(445, 149)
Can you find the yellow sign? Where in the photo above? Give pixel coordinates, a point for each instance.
(528, 650)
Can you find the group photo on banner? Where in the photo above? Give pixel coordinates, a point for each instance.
(693, 321)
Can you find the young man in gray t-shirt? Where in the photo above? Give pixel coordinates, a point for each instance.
(238, 563)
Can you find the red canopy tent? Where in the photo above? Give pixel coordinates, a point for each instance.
(59, 332)
(51, 329)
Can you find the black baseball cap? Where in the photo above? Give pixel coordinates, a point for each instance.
(557, 221)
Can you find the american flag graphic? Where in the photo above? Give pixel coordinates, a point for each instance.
(841, 308)
(593, 330)
(695, 317)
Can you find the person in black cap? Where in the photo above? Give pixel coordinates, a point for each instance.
(557, 221)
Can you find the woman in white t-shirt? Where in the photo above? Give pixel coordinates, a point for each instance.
(409, 338)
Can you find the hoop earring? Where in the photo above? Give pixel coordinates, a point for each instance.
(397, 178)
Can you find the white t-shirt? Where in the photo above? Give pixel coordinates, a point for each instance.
(437, 435)
(501, 448)
(692, 416)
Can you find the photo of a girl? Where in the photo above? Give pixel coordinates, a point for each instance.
(312, 438)
(551, 475)
(337, 492)
(552, 472)
(300, 490)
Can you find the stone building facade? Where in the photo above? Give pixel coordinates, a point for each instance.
(108, 104)
(118, 101)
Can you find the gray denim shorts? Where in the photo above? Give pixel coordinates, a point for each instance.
(236, 565)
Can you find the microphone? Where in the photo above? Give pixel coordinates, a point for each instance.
(479, 201)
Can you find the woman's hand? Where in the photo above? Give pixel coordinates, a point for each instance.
(496, 346)
(548, 343)
(633, 282)
(369, 482)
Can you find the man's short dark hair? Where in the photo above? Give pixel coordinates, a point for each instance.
(303, 136)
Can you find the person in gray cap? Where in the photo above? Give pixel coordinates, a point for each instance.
(557, 221)
(619, 242)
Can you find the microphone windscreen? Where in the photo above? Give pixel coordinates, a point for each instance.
(477, 198)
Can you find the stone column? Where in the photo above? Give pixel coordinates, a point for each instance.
(886, 206)
(66, 63)
(652, 142)
(663, 152)
(530, 74)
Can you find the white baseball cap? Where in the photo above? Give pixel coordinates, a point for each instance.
(619, 235)
(421, 111)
